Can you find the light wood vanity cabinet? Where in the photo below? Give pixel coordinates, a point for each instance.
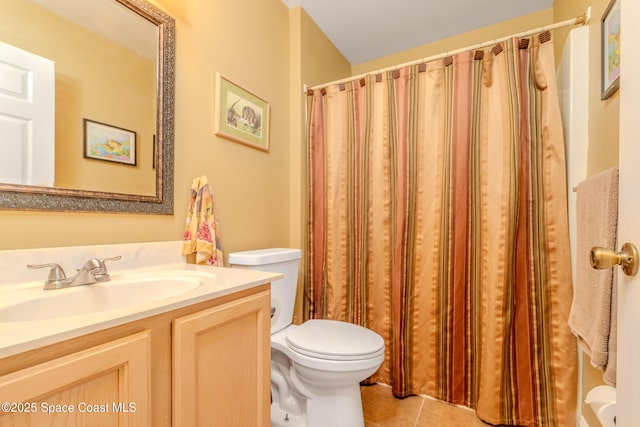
(220, 361)
(106, 385)
(202, 365)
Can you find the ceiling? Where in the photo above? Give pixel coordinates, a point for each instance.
(364, 30)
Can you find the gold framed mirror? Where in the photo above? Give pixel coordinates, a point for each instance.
(125, 81)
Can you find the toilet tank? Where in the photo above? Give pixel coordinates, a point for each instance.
(283, 291)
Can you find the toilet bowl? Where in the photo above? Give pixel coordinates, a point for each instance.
(316, 367)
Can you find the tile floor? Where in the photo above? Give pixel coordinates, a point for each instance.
(381, 409)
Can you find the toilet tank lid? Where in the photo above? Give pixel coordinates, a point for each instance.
(264, 256)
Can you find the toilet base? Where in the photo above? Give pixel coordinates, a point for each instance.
(280, 418)
(342, 410)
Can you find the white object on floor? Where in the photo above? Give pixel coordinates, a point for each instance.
(602, 400)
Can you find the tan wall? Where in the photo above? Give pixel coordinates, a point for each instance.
(470, 38)
(248, 42)
(321, 61)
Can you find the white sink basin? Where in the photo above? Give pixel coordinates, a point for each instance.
(37, 304)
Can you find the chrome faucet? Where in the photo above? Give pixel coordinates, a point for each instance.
(93, 271)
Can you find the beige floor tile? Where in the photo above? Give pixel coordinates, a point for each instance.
(437, 413)
(381, 409)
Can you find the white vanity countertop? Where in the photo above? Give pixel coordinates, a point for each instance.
(19, 336)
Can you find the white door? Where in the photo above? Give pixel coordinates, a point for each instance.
(27, 117)
(628, 369)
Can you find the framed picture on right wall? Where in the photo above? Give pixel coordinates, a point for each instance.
(610, 52)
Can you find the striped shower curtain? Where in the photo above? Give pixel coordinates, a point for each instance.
(437, 217)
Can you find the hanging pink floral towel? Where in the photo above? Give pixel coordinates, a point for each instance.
(201, 231)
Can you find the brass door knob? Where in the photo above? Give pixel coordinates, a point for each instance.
(627, 258)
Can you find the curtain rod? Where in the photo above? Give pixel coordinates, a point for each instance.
(578, 20)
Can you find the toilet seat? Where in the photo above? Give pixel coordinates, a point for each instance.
(335, 340)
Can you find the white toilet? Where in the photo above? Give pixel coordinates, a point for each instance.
(316, 367)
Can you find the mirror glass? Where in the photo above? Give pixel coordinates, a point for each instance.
(97, 129)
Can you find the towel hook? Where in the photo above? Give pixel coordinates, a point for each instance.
(627, 258)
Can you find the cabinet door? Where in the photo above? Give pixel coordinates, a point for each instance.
(106, 385)
(221, 360)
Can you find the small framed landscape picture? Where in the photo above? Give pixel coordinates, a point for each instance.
(109, 143)
(240, 115)
(610, 55)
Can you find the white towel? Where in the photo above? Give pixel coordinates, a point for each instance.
(593, 311)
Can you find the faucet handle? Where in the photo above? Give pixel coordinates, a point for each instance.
(98, 267)
(56, 279)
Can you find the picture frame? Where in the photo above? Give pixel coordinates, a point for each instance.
(240, 115)
(109, 143)
(610, 49)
